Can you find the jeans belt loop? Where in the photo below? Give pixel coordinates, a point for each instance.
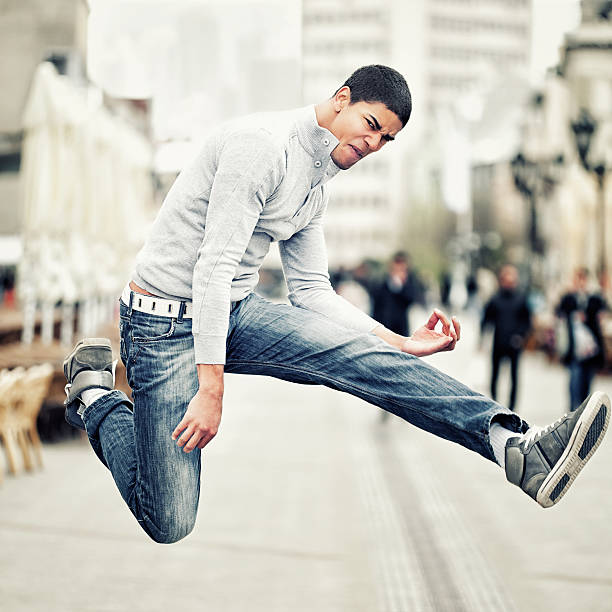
(181, 312)
(130, 310)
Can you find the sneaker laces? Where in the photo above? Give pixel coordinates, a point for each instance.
(535, 433)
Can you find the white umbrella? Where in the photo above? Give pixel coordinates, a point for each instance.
(87, 189)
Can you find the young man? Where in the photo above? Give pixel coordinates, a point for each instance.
(399, 290)
(580, 312)
(190, 313)
(508, 313)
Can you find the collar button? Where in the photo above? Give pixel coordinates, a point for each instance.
(317, 164)
(326, 141)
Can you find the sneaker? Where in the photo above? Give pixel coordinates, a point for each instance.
(545, 462)
(88, 366)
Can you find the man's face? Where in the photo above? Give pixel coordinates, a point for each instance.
(362, 128)
(398, 268)
(508, 277)
(580, 281)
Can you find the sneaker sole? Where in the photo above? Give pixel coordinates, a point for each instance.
(70, 413)
(586, 438)
(85, 342)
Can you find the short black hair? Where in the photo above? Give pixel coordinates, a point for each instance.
(400, 256)
(377, 83)
(582, 272)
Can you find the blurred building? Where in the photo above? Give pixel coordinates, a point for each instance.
(338, 37)
(451, 52)
(585, 88)
(470, 43)
(572, 190)
(480, 64)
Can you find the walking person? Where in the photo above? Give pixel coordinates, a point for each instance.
(507, 312)
(399, 290)
(583, 352)
(393, 297)
(189, 314)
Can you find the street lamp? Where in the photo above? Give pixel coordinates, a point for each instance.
(532, 178)
(584, 129)
(524, 172)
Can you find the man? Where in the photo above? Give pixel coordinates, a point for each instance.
(393, 297)
(508, 313)
(190, 313)
(399, 290)
(584, 354)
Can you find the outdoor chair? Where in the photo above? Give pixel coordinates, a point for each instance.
(9, 388)
(32, 390)
(22, 393)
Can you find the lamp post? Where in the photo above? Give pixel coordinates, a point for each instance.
(584, 129)
(532, 179)
(524, 172)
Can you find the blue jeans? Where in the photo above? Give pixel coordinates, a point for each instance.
(582, 374)
(497, 357)
(161, 483)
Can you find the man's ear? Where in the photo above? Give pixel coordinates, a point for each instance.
(342, 98)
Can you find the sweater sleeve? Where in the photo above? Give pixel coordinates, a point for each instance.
(304, 260)
(246, 175)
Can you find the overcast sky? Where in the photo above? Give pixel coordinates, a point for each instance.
(133, 60)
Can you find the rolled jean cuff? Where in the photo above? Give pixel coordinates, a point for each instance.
(97, 411)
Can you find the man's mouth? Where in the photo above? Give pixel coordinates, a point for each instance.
(357, 151)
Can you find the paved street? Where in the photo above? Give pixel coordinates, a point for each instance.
(311, 504)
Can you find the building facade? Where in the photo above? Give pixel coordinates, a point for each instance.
(586, 72)
(337, 38)
(449, 50)
(469, 41)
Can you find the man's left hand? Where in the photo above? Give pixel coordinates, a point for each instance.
(427, 341)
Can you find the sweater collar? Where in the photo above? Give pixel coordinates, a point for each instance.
(317, 141)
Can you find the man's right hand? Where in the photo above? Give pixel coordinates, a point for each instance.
(201, 422)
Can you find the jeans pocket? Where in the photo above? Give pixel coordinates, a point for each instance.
(124, 323)
(150, 328)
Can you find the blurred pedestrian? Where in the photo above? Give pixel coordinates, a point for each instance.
(364, 274)
(189, 315)
(7, 287)
(400, 289)
(471, 289)
(445, 288)
(394, 296)
(353, 291)
(507, 312)
(582, 347)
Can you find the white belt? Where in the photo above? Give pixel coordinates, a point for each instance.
(156, 305)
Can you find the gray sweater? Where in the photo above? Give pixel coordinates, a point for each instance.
(257, 179)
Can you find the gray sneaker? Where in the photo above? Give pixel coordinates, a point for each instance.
(89, 365)
(544, 463)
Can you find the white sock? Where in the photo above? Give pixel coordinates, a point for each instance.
(498, 436)
(89, 396)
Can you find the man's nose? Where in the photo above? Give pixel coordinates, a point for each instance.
(374, 141)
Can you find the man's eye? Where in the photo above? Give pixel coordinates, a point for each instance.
(370, 123)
